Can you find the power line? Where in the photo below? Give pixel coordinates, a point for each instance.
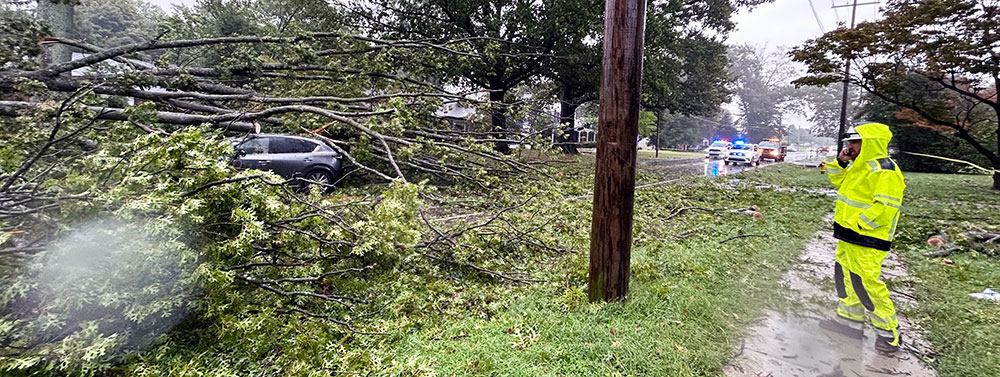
(817, 17)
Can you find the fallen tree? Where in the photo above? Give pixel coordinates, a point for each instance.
(124, 162)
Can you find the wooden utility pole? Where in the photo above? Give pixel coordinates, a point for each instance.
(847, 77)
(618, 127)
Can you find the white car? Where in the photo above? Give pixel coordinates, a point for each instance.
(744, 154)
(719, 148)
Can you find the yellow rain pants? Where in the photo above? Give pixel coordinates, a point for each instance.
(858, 286)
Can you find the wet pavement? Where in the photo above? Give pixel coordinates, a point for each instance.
(713, 167)
(793, 344)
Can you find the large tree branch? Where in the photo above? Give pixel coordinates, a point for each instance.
(115, 52)
(950, 84)
(226, 121)
(961, 132)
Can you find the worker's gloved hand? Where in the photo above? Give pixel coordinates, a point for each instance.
(845, 155)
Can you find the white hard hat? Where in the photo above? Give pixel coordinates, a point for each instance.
(851, 134)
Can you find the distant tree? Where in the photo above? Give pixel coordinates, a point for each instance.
(724, 127)
(692, 130)
(946, 46)
(107, 23)
(763, 90)
(824, 104)
(681, 130)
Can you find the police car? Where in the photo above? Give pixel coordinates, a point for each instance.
(718, 149)
(743, 153)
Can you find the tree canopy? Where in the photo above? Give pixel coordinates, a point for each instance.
(950, 47)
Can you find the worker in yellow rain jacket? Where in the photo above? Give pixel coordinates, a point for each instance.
(869, 196)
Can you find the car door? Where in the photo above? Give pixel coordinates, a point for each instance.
(290, 156)
(253, 153)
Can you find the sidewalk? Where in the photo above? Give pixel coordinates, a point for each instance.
(793, 344)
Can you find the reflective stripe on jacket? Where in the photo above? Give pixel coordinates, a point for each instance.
(870, 193)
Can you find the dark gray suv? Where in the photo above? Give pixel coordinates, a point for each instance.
(289, 156)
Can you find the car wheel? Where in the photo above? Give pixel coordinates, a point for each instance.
(319, 177)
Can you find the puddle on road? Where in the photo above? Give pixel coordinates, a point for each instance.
(793, 344)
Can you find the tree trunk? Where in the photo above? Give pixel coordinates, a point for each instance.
(996, 158)
(659, 118)
(60, 17)
(614, 179)
(498, 119)
(567, 119)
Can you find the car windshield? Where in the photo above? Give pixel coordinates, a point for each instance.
(719, 144)
(742, 146)
(770, 144)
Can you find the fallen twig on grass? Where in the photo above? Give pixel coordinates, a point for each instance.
(743, 236)
(748, 211)
(904, 294)
(681, 210)
(943, 253)
(987, 237)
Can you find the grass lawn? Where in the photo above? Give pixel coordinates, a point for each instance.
(965, 331)
(689, 302)
(642, 155)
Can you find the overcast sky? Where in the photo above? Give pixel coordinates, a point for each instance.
(791, 22)
(166, 4)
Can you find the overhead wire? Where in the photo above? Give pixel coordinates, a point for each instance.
(817, 17)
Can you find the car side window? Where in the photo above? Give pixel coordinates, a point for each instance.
(253, 146)
(291, 145)
(324, 148)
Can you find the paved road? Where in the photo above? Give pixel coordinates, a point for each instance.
(712, 167)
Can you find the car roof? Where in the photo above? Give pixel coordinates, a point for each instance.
(251, 136)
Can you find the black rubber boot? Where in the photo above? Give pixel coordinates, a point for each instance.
(884, 344)
(839, 327)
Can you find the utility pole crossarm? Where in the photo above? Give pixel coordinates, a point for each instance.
(855, 4)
